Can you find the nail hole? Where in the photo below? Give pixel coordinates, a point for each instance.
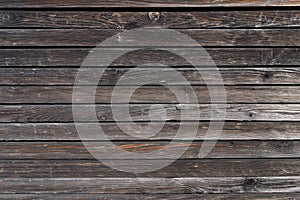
(154, 16)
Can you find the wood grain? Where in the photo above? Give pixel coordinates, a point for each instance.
(253, 196)
(76, 150)
(130, 20)
(231, 76)
(152, 185)
(205, 37)
(230, 131)
(140, 112)
(144, 3)
(253, 42)
(179, 168)
(222, 57)
(149, 94)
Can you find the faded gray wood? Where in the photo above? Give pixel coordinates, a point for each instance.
(205, 37)
(230, 76)
(230, 131)
(149, 94)
(222, 57)
(253, 196)
(76, 150)
(130, 20)
(152, 185)
(236, 112)
(179, 168)
(144, 3)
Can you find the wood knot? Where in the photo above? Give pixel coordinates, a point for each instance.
(251, 114)
(154, 16)
(268, 75)
(250, 184)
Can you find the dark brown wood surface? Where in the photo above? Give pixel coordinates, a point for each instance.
(71, 57)
(255, 45)
(205, 37)
(130, 20)
(60, 76)
(144, 3)
(231, 131)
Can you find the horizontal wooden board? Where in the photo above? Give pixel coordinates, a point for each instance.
(152, 185)
(130, 20)
(179, 168)
(149, 94)
(205, 37)
(144, 3)
(253, 196)
(230, 76)
(222, 57)
(76, 150)
(230, 131)
(140, 112)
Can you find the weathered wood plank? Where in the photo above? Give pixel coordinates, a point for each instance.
(253, 196)
(230, 131)
(230, 76)
(222, 57)
(236, 112)
(149, 94)
(76, 150)
(179, 168)
(152, 185)
(130, 20)
(144, 3)
(205, 37)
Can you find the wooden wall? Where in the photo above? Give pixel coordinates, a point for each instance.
(254, 43)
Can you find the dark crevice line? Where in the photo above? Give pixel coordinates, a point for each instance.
(293, 27)
(147, 103)
(168, 121)
(152, 67)
(149, 140)
(86, 48)
(152, 9)
(154, 85)
(178, 160)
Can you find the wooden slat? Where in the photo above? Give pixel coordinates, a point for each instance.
(222, 57)
(179, 168)
(230, 131)
(130, 20)
(144, 3)
(152, 185)
(236, 112)
(76, 150)
(253, 196)
(150, 94)
(230, 76)
(205, 37)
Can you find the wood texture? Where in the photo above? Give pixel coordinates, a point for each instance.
(76, 150)
(144, 3)
(150, 94)
(222, 57)
(130, 20)
(140, 112)
(253, 42)
(152, 185)
(231, 76)
(205, 37)
(231, 131)
(253, 196)
(179, 168)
